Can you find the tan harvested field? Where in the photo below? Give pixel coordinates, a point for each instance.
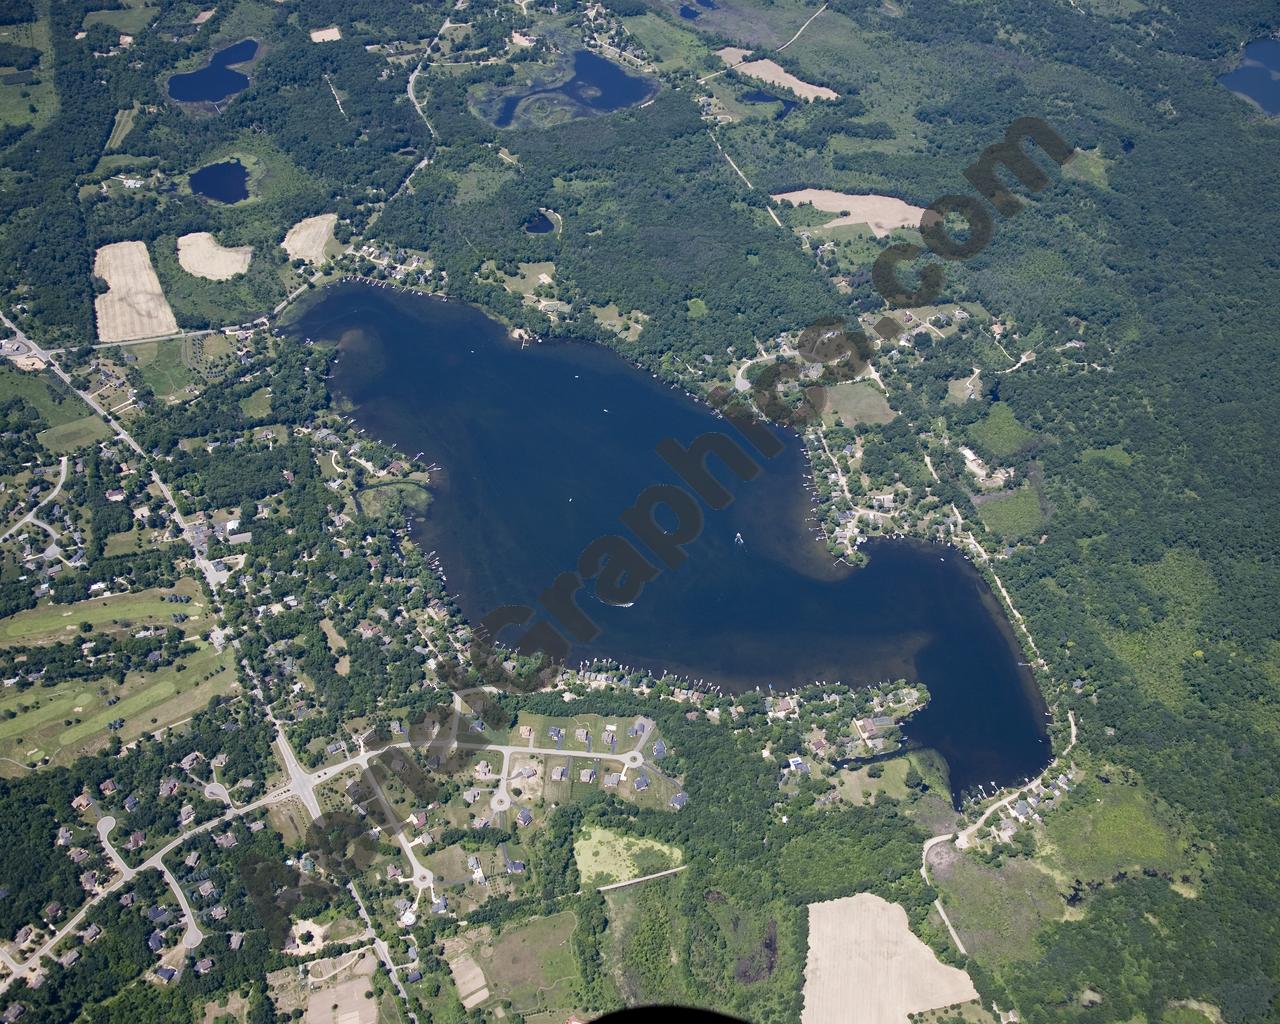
(774, 74)
(880, 213)
(469, 979)
(326, 35)
(865, 964)
(307, 239)
(201, 255)
(333, 991)
(135, 306)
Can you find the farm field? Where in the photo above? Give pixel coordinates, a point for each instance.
(309, 238)
(882, 214)
(332, 991)
(134, 305)
(605, 856)
(863, 955)
(772, 73)
(532, 965)
(201, 255)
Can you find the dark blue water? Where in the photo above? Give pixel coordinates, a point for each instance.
(227, 182)
(542, 448)
(1258, 76)
(760, 96)
(597, 86)
(689, 13)
(708, 4)
(539, 224)
(215, 82)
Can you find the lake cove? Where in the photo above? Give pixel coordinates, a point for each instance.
(227, 182)
(216, 81)
(597, 86)
(1257, 78)
(543, 447)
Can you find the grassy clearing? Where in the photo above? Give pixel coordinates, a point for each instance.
(697, 309)
(671, 47)
(122, 127)
(1013, 515)
(856, 401)
(257, 404)
(1088, 165)
(1000, 432)
(859, 787)
(31, 102)
(626, 325)
(532, 276)
(605, 856)
(69, 437)
(164, 365)
(1157, 652)
(50, 396)
(533, 965)
(133, 19)
(1111, 828)
(50, 622)
(999, 911)
(1115, 454)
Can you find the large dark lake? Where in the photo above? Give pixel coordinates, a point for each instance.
(1258, 76)
(543, 447)
(598, 86)
(227, 182)
(218, 79)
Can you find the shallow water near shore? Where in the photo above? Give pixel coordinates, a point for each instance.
(542, 447)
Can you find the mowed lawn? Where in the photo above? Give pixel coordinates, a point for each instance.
(51, 622)
(65, 721)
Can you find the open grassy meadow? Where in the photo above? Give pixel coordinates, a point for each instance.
(1012, 515)
(1111, 828)
(1000, 432)
(51, 622)
(605, 856)
(854, 402)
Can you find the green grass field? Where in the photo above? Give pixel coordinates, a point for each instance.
(257, 404)
(1112, 828)
(605, 856)
(1157, 652)
(856, 401)
(672, 48)
(533, 965)
(999, 911)
(69, 437)
(55, 403)
(65, 721)
(164, 365)
(50, 622)
(1013, 515)
(1000, 432)
(18, 99)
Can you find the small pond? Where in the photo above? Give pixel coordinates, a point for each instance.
(227, 182)
(1257, 78)
(689, 13)
(760, 96)
(539, 224)
(216, 81)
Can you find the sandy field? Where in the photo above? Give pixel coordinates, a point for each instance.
(204, 16)
(880, 213)
(774, 74)
(333, 991)
(201, 255)
(326, 35)
(469, 979)
(135, 306)
(306, 239)
(865, 964)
